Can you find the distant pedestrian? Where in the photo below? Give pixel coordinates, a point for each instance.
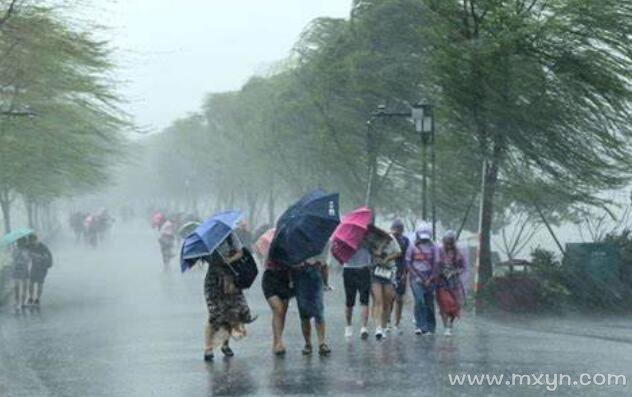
(244, 234)
(277, 289)
(452, 265)
(401, 275)
(227, 306)
(310, 280)
(41, 261)
(76, 224)
(356, 275)
(157, 219)
(167, 241)
(21, 262)
(90, 230)
(422, 261)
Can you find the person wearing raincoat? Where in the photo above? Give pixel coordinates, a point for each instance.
(452, 266)
(422, 260)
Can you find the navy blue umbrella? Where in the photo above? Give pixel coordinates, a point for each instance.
(207, 237)
(304, 229)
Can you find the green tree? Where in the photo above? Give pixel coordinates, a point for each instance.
(60, 74)
(542, 86)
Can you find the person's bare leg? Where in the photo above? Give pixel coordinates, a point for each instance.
(40, 288)
(25, 284)
(285, 305)
(16, 293)
(349, 315)
(279, 309)
(320, 332)
(306, 328)
(208, 338)
(32, 288)
(399, 307)
(378, 303)
(364, 315)
(388, 293)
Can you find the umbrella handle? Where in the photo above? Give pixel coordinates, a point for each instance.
(228, 264)
(232, 270)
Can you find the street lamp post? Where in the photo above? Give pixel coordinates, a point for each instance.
(422, 116)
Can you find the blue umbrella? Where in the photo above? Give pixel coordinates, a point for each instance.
(207, 237)
(304, 229)
(15, 235)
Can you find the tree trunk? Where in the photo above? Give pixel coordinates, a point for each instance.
(371, 166)
(271, 204)
(251, 200)
(5, 205)
(28, 203)
(490, 180)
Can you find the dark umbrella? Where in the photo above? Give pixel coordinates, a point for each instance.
(304, 229)
(207, 237)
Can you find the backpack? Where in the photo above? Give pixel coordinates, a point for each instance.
(244, 270)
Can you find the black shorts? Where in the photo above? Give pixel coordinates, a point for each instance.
(357, 281)
(38, 274)
(276, 283)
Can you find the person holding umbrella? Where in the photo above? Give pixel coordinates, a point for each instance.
(348, 249)
(41, 261)
(302, 233)
(215, 242)
(422, 258)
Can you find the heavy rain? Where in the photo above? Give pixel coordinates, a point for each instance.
(302, 197)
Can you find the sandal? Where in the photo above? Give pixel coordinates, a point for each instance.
(324, 350)
(307, 350)
(228, 352)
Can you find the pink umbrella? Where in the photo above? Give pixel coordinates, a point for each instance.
(349, 234)
(262, 246)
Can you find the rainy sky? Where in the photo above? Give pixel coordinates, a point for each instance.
(172, 53)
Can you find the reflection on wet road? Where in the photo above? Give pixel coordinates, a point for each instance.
(113, 325)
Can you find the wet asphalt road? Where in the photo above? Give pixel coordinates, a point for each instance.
(113, 325)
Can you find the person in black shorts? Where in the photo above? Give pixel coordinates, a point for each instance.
(277, 290)
(356, 277)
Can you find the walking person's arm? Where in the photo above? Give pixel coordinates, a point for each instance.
(325, 272)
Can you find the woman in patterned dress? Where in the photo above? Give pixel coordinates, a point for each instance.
(227, 307)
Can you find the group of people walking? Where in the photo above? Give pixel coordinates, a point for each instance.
(171, 227)
(376, 276)
(91, 227)
(31, 260)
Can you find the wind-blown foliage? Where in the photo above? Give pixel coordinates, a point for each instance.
(62, 118)
(537, 91)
